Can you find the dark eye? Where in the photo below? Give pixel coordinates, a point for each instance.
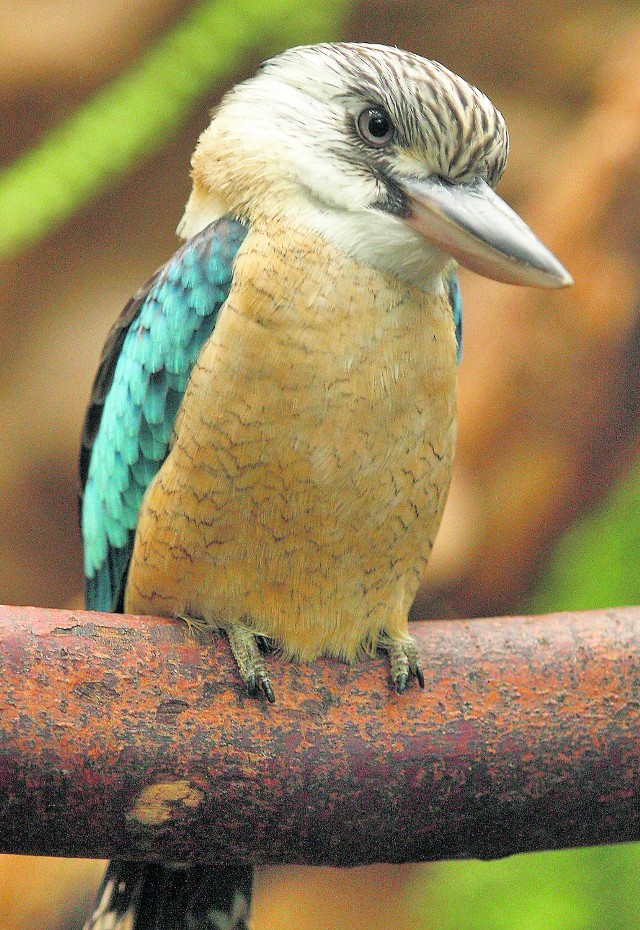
(375, 127)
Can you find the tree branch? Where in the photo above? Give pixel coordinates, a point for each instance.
(127, 736)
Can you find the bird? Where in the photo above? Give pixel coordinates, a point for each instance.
(270, 436)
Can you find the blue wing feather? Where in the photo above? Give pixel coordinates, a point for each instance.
(455, 299)
(143, 373)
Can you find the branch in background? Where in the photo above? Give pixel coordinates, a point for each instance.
(550, 383)
(125, 736)
(135, 114)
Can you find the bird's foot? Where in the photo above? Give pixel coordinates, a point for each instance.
(245, 647)
(404, 661)
(250, 661)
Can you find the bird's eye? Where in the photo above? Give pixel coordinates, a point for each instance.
(375, 127)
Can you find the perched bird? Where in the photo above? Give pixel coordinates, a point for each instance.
(270, 437)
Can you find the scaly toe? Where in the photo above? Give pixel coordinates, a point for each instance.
(415, 665)
(258, 682)
(250, 662)
(267, 690)
(404, 661)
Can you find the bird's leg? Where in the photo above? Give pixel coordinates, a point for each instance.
(244, 645)
(403, 661)
(250, 662)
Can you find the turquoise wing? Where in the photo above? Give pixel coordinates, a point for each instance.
(455, 299)
(141, 379)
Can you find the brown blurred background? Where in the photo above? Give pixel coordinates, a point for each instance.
(548, 385)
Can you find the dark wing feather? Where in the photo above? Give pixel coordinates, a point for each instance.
(104, 376)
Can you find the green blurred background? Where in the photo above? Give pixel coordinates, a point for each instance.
(102, 108)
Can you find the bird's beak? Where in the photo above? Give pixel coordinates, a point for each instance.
(476, 227)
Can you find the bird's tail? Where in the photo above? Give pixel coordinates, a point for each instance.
(152, 896)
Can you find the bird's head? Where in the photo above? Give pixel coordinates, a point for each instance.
(390, 156)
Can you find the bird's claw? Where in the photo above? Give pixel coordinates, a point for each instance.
(404, 660)
(258, 682)
(250, 662)
(401, 683)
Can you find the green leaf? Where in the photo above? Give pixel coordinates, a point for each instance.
(131, 118)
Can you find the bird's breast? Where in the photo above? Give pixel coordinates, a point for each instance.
(312, 453)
